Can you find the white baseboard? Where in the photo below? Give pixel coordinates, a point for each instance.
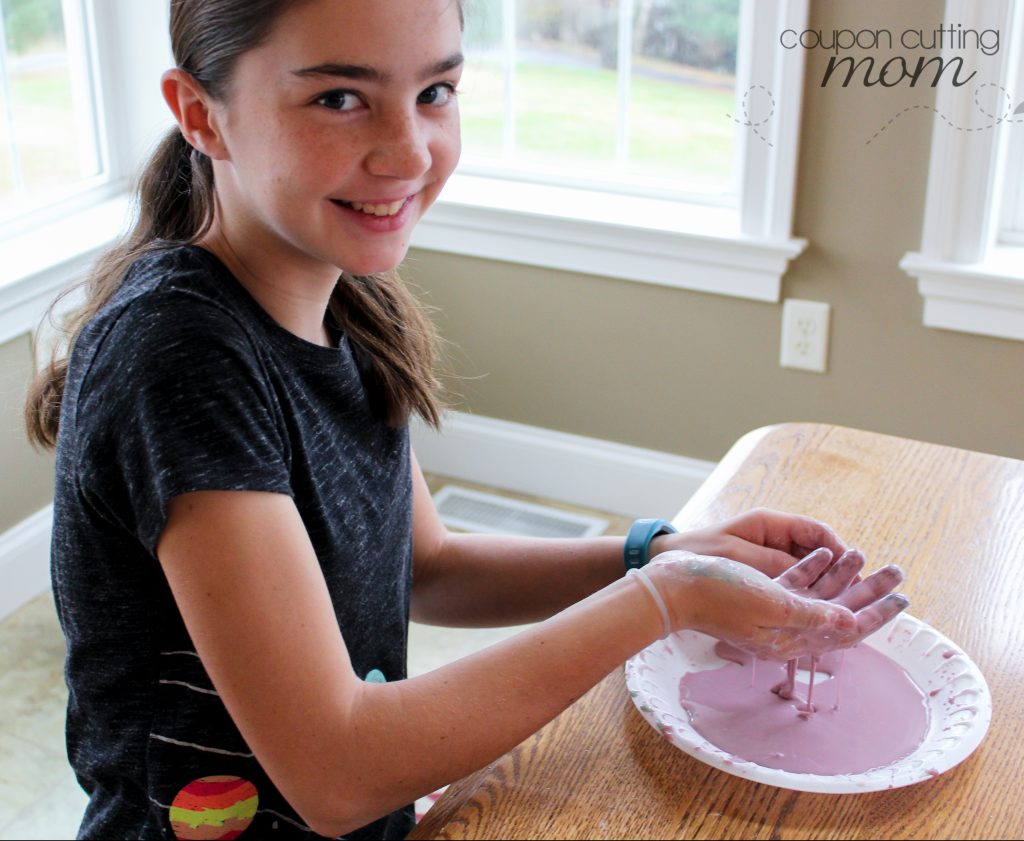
(610, 477)
(25, 561)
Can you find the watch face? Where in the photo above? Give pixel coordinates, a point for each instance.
(641, 533)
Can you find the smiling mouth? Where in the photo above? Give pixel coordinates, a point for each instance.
(387, 209)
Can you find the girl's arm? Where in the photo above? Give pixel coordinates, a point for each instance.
(478, 580)
(344, 752)
(485, 580)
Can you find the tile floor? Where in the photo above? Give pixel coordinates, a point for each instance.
(39, 797)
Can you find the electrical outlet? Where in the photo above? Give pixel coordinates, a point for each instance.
(805, 335)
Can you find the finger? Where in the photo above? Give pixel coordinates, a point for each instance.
(804, 573)
(839, 576)
(807, 534)
(824, 617)
(880, 583)
(873, 617)
(772, 562)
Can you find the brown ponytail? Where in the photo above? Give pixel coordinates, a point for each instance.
(175, 205)
(381, 316)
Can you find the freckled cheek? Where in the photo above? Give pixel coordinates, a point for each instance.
(446, 151)
(333, 149)
(456, 150)
(453, 134)
(314, 161)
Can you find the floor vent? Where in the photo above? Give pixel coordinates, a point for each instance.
(468, 510)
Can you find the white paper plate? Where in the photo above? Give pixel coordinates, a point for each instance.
(959, 710)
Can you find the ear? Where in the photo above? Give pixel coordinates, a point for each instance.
(193, 109)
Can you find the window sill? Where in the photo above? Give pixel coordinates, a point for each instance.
(984, 298)
(649, 240)
(40, 263)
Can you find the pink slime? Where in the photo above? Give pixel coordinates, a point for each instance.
(743, 711)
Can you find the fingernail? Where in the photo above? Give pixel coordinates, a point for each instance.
(894, 572)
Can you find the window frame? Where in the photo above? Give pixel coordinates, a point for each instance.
(1011, 226)
(971, 278)
(695, 247)
(53, 247)
(740, 252)
(80, 31)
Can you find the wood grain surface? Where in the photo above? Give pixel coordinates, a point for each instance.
(953, 519)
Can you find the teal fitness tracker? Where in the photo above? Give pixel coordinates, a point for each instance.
(638, 541)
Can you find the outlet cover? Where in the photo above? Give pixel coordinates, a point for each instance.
(805, 335)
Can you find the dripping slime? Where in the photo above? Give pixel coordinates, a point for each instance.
(766, 715)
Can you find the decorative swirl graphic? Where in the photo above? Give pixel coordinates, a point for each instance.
(748, 121)
(997, 119)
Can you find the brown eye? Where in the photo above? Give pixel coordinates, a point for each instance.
(338, 100)
(439, 94)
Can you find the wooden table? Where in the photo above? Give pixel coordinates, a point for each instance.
(954, 520)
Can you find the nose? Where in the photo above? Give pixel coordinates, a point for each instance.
(400, 148)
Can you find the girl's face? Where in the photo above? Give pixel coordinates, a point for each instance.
(341, 129)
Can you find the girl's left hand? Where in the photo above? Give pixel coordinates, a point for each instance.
(785, 617)
(823, 577)
(769, 541)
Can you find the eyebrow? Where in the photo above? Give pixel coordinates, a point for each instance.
(364, 73)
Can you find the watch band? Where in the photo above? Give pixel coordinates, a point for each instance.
(639, 538)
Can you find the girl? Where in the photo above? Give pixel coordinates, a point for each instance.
(241, 531)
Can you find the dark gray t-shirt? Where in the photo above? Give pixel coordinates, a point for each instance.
(182, 383)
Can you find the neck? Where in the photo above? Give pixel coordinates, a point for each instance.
(295, 296)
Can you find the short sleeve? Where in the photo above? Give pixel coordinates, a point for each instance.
(177, 399)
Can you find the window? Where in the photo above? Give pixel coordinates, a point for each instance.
(626, 95)
(79, 110)
(48, 131)
(970, 267)
(661, 151)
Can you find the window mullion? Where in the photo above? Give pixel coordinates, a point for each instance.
(1011, 221)
(625, 73)
(81, 91)
(1011, 227)
(508, 123)
(17, 176)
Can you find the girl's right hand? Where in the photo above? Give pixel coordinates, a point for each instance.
(777, 619)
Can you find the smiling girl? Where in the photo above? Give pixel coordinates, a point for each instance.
(242, 532)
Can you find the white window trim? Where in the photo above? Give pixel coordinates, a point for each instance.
(1012, 222)
(655, 240)
(49, 250)
(38, 265)
(969, 280)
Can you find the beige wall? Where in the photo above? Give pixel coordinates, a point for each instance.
(26, 477)
(687, 372)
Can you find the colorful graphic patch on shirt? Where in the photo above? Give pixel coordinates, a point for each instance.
(217, 807)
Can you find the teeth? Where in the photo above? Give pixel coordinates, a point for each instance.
(378, 209)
